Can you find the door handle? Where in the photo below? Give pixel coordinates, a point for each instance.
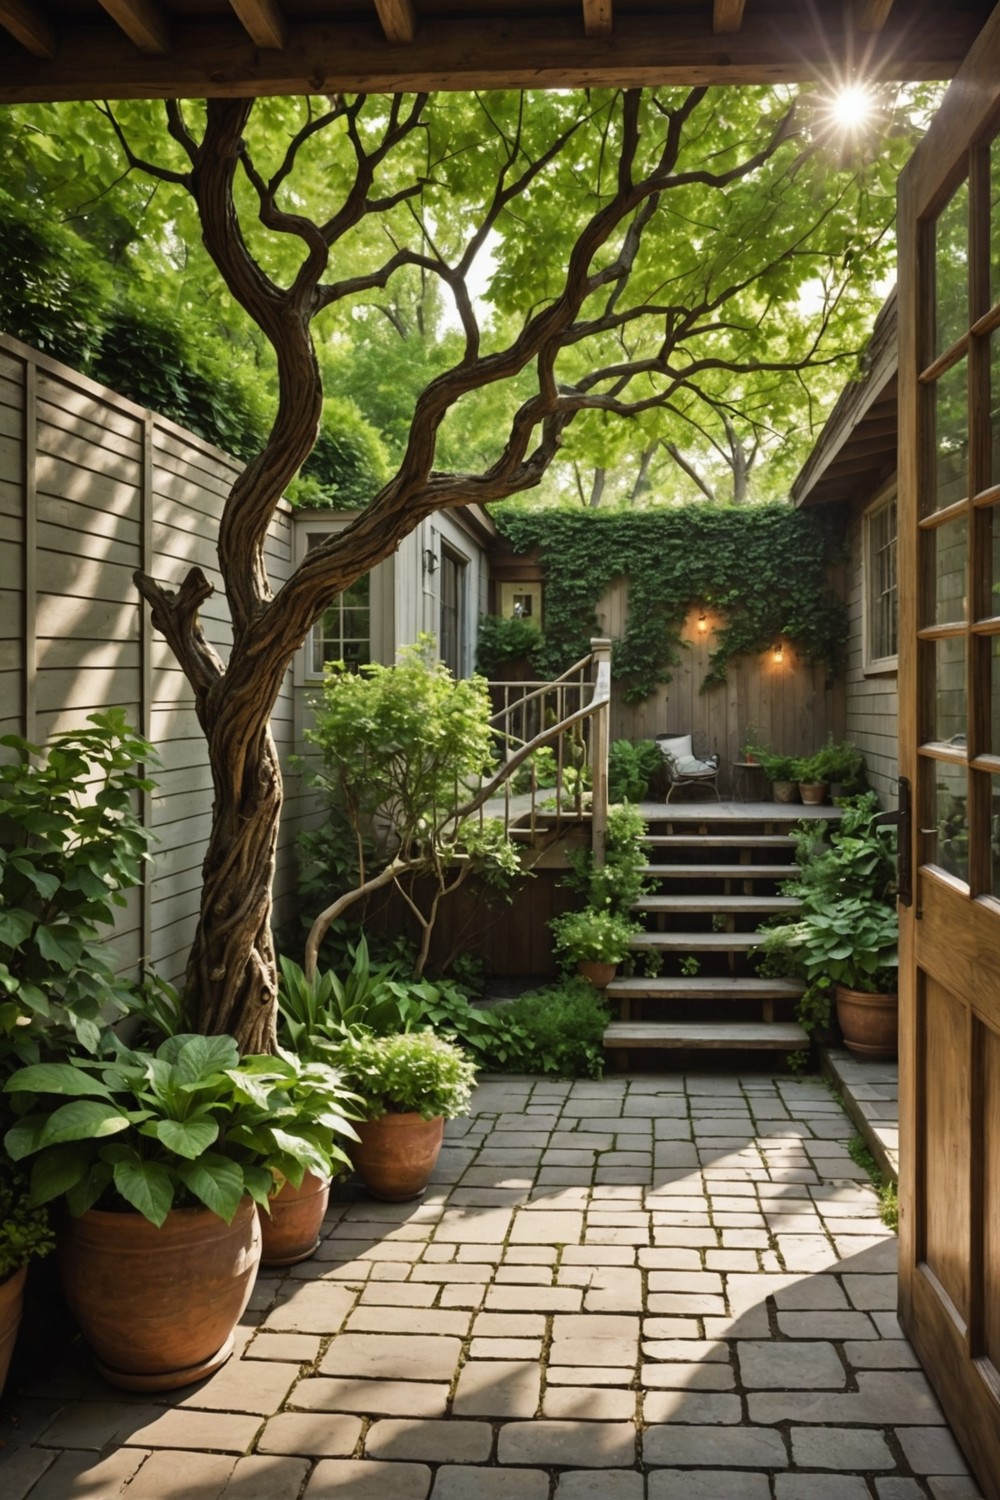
(902, 820)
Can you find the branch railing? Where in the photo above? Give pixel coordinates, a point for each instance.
(570, 716)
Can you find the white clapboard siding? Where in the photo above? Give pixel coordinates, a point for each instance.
(872, 717)
(93, 487)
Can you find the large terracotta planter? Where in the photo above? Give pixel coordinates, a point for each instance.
(869, 1022)
(158, 1306)
(290, 1232)
(11, 1304)
(784, 791)
(396, 1154)
(812, 792)
(596, 971)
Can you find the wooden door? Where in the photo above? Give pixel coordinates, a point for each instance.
(949, 541)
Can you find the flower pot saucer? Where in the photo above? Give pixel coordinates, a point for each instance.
(166, 1380)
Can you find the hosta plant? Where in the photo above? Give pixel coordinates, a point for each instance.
(191, 1123)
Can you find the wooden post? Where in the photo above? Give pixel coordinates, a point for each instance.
(600, 739)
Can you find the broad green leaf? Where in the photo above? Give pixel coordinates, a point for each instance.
(59, 945)
(188, 1138)
(214, 1181)
(199, 1057)
(83, 1120)
(55, 1171)
(148, 1186)
(56, 1078)
(24, 1137)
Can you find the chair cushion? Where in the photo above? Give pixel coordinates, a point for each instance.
(677, 750)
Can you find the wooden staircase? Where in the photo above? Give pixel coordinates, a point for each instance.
(717, 869)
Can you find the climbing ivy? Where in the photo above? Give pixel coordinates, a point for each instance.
(764, 569)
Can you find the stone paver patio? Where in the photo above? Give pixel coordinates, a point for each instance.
(647, 1288)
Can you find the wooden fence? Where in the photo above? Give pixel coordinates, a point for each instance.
(91, 488)
(789, 705)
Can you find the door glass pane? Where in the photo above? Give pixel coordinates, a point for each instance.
(951, 270)
(951, 436)
(995, 401)
(950, 708)
(949, 545)
(950, 844)
(995, 219)
(995, 834)
(994, 649)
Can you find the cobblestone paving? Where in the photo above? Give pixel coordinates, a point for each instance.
(648, 1288)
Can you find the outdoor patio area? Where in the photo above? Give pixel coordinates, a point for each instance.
(647, 1288)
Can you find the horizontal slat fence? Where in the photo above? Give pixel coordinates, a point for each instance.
(91, 488)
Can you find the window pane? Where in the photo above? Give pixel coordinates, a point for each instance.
(949, 548)
(995, 404)
(951, 267)
(950, 844)
(951, 437)
(995, 833)
(950, 709)
(881, 579)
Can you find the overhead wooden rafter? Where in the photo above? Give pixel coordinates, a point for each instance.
(398, 20)
(142, 22)
(263, 22)
(85, 49)
(28, 27)
(871, 15)
(597, 17)
(727, 16)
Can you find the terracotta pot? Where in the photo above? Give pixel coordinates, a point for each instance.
(11, 1303)
(396, 1154)
(599, 973)
(869, 1022)
(290, 1232)
(158, 1306)
(784, 791)
(812, 792)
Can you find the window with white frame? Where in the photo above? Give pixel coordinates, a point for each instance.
(344, 630)
(881, 591)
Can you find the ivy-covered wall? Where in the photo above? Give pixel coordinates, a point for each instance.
(760, 576)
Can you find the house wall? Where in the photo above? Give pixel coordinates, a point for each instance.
(871, 718)
(93, 487)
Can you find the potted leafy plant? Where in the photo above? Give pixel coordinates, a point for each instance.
(25, 1233)
(847, 935)
(841, 765)
(596, 940)
(808, 772)
(780, 771)
(159, 1158)
(411, 1082)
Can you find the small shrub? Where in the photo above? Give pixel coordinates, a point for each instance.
(556, 1030)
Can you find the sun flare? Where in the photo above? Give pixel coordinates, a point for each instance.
(852, 106)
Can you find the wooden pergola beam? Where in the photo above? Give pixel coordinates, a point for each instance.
(263, 22)
(216, 58)
(598, 17)
(28, 27)
(871, 15)
(142, 22)
(727, 16)
(398, 20)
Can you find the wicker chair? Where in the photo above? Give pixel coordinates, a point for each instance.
(683, 767)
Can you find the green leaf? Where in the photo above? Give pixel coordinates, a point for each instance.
(83, 1120)
(216, 1182)
(187, 1138)
(59, 945)
(199, 1057)
(56, 1078)
(148, 1186)
(57, 1170)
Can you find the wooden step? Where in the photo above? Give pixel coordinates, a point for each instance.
(721, 872)
(719, 841)
(699, 988)
(777, 1036)
(698, 942)
(722, 904)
